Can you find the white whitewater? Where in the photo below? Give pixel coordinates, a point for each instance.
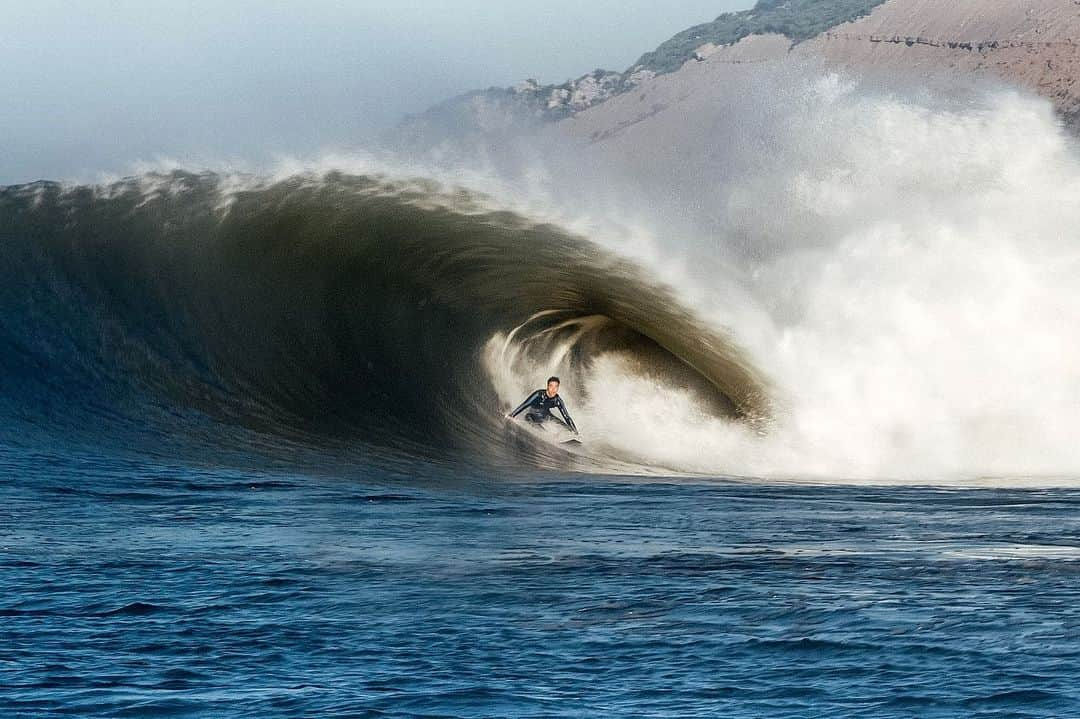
(901, 266)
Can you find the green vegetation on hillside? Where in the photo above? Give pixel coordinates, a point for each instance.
(798, 19)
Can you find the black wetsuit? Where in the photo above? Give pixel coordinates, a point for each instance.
(540, 406)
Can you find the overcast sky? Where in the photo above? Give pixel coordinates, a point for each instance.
(95, 85)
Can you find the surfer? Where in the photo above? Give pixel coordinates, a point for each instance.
(540, 404)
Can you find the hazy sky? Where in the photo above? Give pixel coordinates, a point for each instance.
(96, 85)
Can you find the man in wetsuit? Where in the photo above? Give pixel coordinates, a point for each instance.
(540, 403)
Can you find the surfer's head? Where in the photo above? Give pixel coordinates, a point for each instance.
(553, 386)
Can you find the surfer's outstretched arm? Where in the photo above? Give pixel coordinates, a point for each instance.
(566, 416)
(528, 401)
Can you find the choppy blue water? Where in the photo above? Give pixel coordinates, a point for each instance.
(133, 589)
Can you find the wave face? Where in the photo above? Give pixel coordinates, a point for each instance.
(330, 311)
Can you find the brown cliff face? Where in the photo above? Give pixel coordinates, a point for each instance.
(1033, 44)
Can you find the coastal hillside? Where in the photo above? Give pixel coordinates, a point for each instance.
(496, 110)
(794, 19)
(1033, 44)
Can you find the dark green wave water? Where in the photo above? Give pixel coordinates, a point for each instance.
(334, 309)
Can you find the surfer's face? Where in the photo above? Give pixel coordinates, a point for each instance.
(553, 389)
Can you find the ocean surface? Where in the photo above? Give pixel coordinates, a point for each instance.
(153, 589)
(253, 463)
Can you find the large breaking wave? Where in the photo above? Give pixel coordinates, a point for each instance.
(323, 310)
(845, 284)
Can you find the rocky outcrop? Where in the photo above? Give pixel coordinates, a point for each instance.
(495, 111)
(558, 101)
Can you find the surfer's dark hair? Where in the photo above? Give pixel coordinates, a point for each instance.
(554, 379)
